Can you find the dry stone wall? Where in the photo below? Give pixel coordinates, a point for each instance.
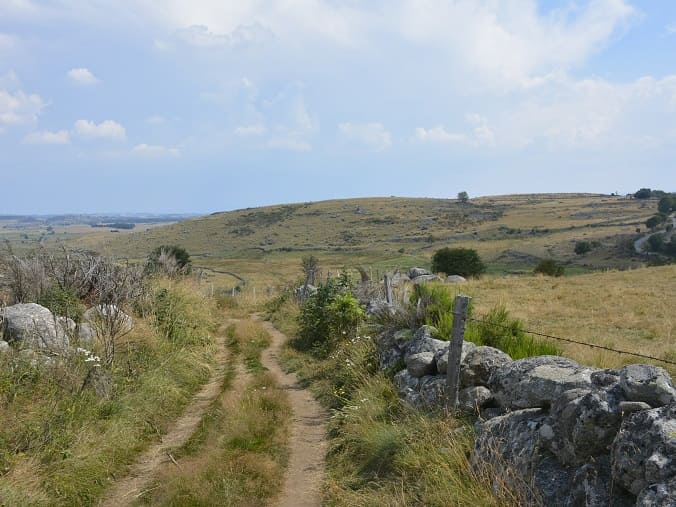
(573, 434)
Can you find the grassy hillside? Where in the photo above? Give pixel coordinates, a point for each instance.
(511, 233)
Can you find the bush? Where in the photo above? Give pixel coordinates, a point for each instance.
(549, 267)
(667, 204)
(656, 220)
(643, 193)
(169, 259)
(458, 261)
(582, 247)
(64, 302)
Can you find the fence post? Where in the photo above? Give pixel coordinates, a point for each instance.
(460, 307)
(388, 288)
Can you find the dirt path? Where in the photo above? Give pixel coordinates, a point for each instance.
(307, 442)
(125, 491)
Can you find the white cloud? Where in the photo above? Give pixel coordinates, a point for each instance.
(438, 135)
(16, 106)
(82, 76)
(372, 135)
(108, 129)
(48, 137)
(155, 151)
(251, 130)
(244, 35)
(156, 120)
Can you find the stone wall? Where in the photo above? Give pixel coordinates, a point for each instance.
(576, 435)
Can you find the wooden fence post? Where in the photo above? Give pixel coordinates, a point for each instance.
(388, 288)
(460, 307)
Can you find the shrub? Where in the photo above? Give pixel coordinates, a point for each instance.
(582, 247)
(169, 259)
(643, 193)
(458, 261)
(656, 220)
(549, 267)
(667, 204)
(433, 305)
(64, 302)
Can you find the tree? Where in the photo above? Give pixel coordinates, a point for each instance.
(463, 196)
(549, 267)
(310, 266)
(582, 247)
(667, 204)
(458, 261)
(170, 259)
(655, 220)
(643, 193)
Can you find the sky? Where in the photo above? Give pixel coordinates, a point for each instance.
(209, 105)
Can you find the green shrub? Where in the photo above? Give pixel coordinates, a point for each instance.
(182, 315)
(64, 302)
(582, 247)
(169, 259)
(458, 261)
(549, 267)
(643, 193)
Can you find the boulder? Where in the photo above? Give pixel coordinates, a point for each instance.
(591, 486)
(537, 381)
(85, 334)
(455, 279)
(423, 341)
(425, 278)
(584, 424)
(421, 364)
(104, 315)
(405, 382)
(416, 272)
(480, 363)
(651, 384)
(4, 346)
(644, 451)
(472, 399)
(67, 325)
(658, 495)
(433, 391)
(441, 357)
(510, 446)
(389, 353)
(33, 326)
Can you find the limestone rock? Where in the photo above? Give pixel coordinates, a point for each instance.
(537, 381)
(421, 364)
(33, 326)
(651, 384)
(480, 363)
(644, 451)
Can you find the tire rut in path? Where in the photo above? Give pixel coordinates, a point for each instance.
(127, 490)
(307, 440)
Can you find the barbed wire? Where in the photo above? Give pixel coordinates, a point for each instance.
(577, 342)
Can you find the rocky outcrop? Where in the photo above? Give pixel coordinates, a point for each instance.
(30, 325)
(650, 384)
(480, 363)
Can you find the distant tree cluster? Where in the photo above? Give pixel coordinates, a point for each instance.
(549, 267)
(458, 261)
(647, 193)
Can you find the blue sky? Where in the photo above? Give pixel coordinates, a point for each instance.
(209, 105)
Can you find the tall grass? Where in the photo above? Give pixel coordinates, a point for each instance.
(73, 443)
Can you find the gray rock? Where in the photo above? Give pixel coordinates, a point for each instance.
(425, 278)
(68, 325)
(423, 341)
(4, 346)
(379, 307)
(473, 399)
(537, 381)
(591, 486)
(644, 451)
(106, 315)
(629, 407)
(85, 334)
(652, 384)
(416, 272)
(421, 364)
(480, 363)
(402, 338)
(584, 424)
(605, 378)
(433, 391)
(389, 353)
(509, 445)
(455, 279)
(441, 357)
(33, 326)
(404, 382)
(658, 495)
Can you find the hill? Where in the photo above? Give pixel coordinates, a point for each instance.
(510, 232)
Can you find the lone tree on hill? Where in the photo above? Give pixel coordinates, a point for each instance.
(458, 261)
(463, 196)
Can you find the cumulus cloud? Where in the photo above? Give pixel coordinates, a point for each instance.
(108, 129)
(48, 137)
(371, 135)
(16, 106)
(438, 134)
(82, 76)
(250, 130)
(155, 151)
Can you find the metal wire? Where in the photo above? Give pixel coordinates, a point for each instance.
(577, 342)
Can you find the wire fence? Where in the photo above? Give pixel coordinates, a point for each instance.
(577, 342)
